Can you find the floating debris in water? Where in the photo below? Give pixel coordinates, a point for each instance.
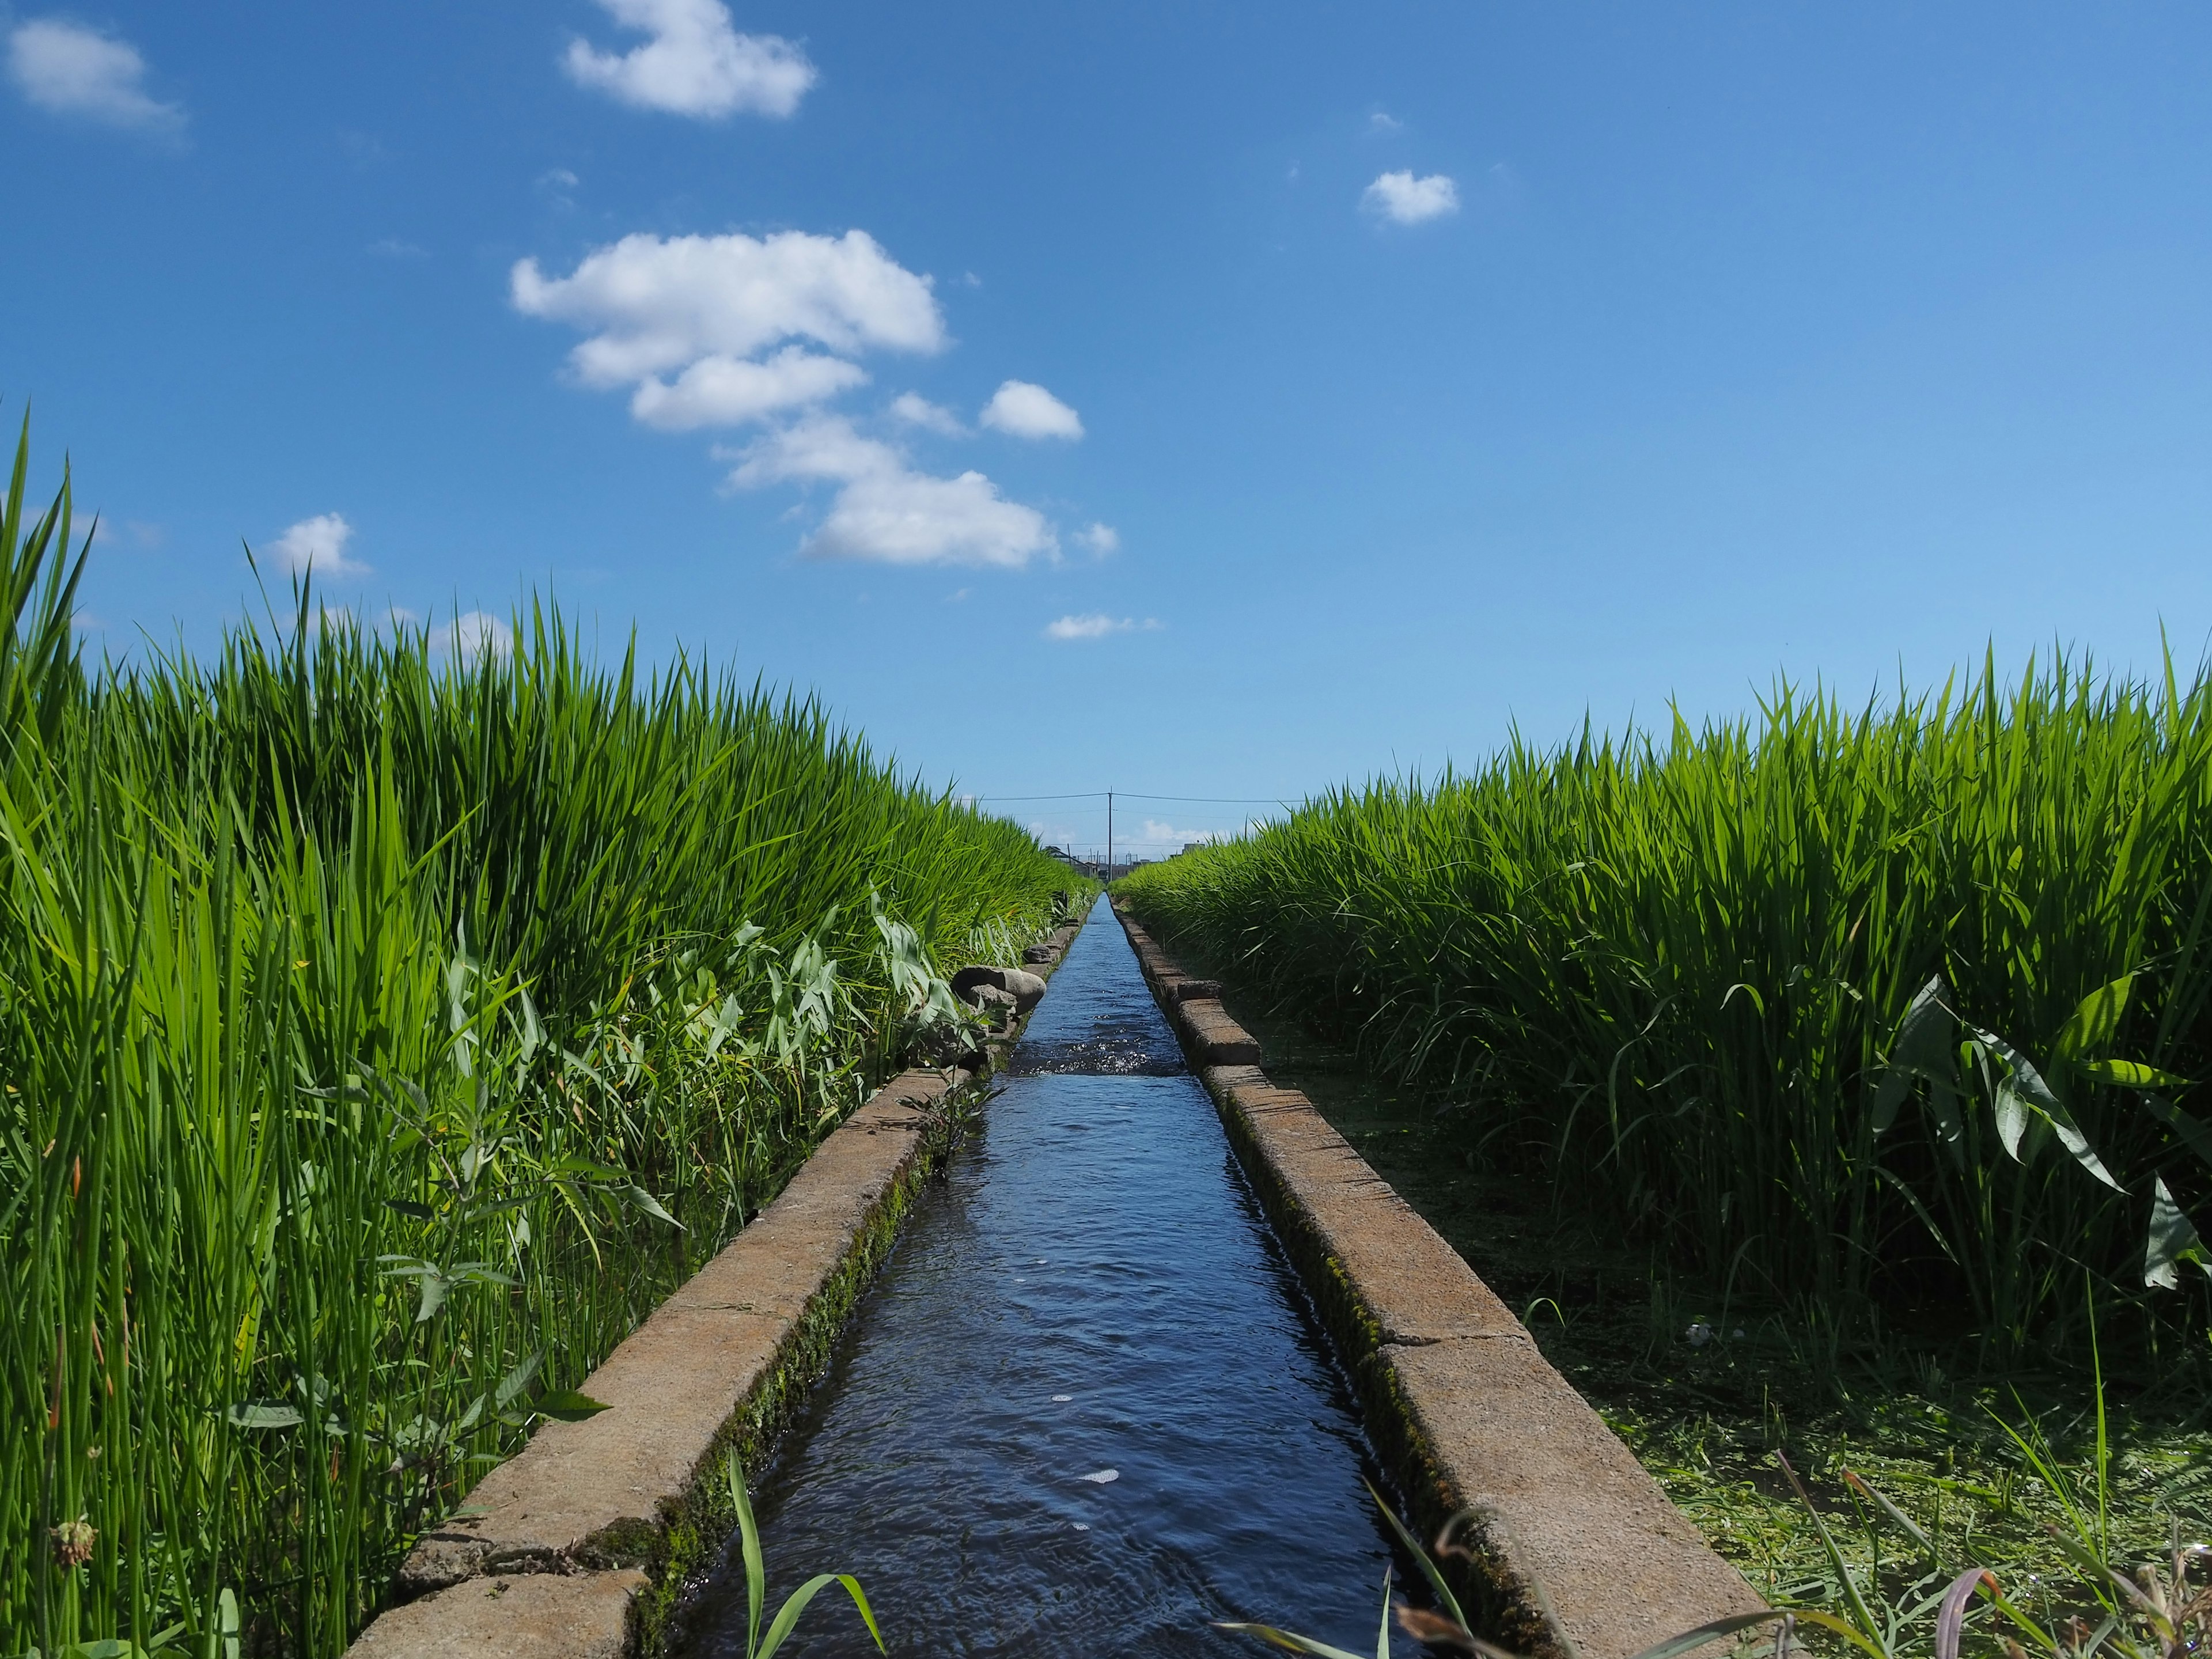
(1102, 1476)
(1061, 1399)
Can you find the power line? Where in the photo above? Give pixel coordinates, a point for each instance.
(1100, 795)
(1214, 800)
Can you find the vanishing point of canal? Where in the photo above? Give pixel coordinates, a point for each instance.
(1084, 1411)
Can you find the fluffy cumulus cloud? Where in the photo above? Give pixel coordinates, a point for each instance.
(73, 70)
(736, 330)
(652, 304)
(915, 409)
(1100, 539)
(721, 391)
(886, 510)
(318, 545)
(471, 634)
(693, 63)
(1030, 411)
(1405, 200)
(1096, 626)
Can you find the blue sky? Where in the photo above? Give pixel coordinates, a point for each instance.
(1208, 401)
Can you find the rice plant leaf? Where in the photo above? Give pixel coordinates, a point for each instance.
(1383, 1639)
(1289, 1639)
(1950, 1617)
(1864, 1628)
(788, 1614)
(1829, 1622)
(2128, 1074)
(1445, 1599)
(750, 1546)
(2094, 1022)
(1922, 1049)
(2173, 1239)
(1898, 1518)
(1710, 1632)
(1919, 1209)
(568, 1405)
(2024, 1091)
(262, 1414)
(2195, 1135)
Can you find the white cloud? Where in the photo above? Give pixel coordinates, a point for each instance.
(319, 542)
(652, 305)
(74, 70)
(1403, 199)
(885, 510)
(1158, 834)
(138, 532)
(1096, 626)
(915, 409)
(1100, 539)
(471, 634)
(1384, 121)
(1030, 411)
(721, 390)
(695, 63)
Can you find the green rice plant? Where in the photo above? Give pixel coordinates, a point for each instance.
(794, 1604)
(1691, 980)
(382, 1036)
(2160, 1610)
(1448, 1624)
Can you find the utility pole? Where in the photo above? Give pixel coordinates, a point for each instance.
(1109, 835)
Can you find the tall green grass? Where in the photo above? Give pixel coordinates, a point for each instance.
(382, 1036)
(1835, 1009)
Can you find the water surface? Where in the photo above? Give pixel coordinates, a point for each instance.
(1083, 1411)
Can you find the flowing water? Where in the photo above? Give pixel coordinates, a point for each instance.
(1083, 1410)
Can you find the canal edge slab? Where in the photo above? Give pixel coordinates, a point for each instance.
(1576, 1548)
(578, 1546)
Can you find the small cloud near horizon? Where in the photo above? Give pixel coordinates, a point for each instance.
(318, 543)
(469, 635)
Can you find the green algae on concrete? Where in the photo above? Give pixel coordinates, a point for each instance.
(1577, 1548)
(581, 1545)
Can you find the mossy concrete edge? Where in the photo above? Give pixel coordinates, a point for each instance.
(582, 1544)
(1575, 1549)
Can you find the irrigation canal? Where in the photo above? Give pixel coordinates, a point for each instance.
(1083, 1411)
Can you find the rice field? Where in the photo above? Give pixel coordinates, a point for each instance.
(383, 1034)
(1890, 1020)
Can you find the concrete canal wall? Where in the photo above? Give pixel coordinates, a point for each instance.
(576, 1547)
(1578, 1548)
